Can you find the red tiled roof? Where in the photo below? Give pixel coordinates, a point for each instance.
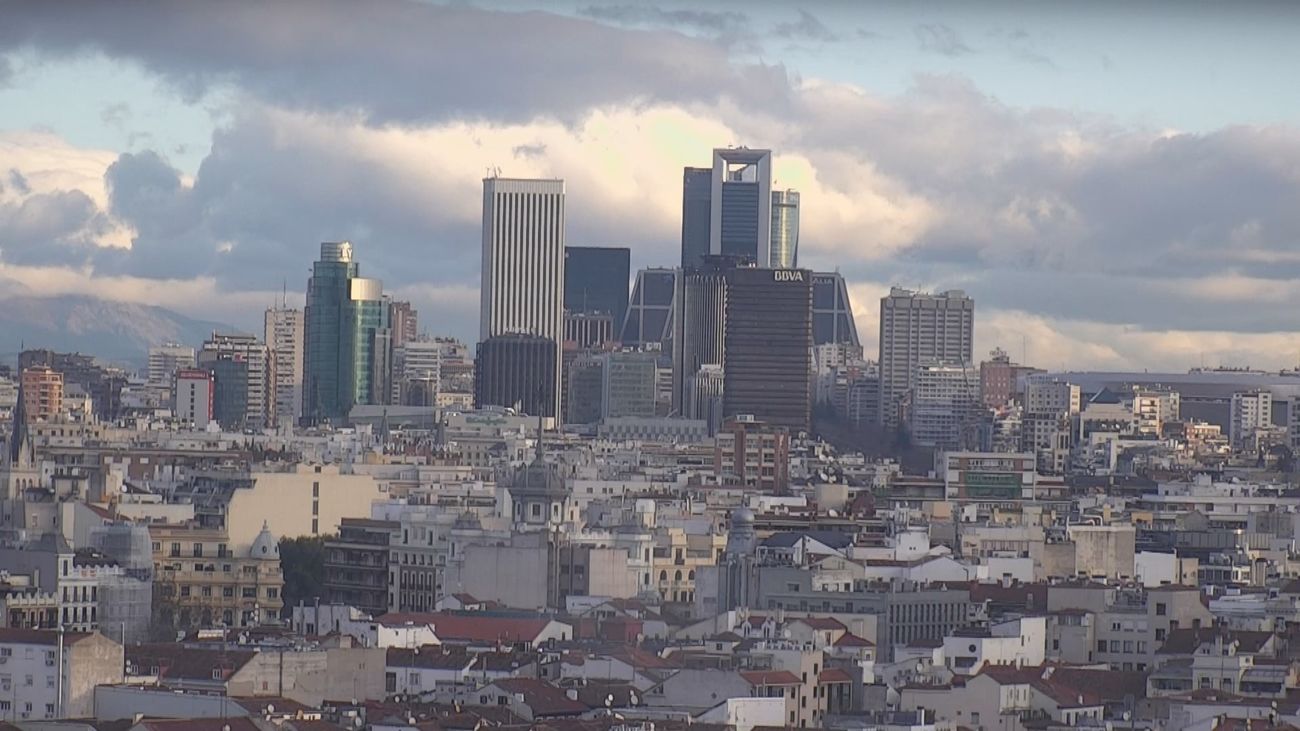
(542, 697)
(473, 628)
(200, 724)
(760, 678)
(834, 675)
(822, 623)
(848, 639)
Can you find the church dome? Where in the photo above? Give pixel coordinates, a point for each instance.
(265, 545)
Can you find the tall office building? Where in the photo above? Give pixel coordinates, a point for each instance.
(699, 317)
(283, 328)
(767, 369)
(517, 371)
(918, 328)
(241, 370)
(522, 285)
(832, 312)
(596, 280)
(347, 336)
(166, 359)
(738, 207)
(785, 229)
(649, 320)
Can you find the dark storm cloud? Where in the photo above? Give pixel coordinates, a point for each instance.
(941, 39)
(395, 61)
(49, 228)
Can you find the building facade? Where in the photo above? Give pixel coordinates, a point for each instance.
(915, 328)
(517, 371)
(193, 400)
(596, 280)
(41, 392)
(785, 229)
(283, 332)
(767, 367)
(241, 369)
(522, 286)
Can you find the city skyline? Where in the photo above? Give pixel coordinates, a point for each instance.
(1094, 232)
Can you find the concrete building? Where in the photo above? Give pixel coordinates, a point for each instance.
(242, 379)
(522, 287)
(752, 453)
(1001, 380)
(165, 360)
(918, 328)
(203, 581)
(46, 681)
(1251, 411)
(41, 391)
(417, 373)
(283, 335)
(943, 407)
(357, 565)
(193, 399)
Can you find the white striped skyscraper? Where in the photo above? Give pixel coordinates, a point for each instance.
(522, 279)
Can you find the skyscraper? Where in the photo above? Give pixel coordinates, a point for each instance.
(832, 312)
(698, 320)
(918, 328)
(404, 321)
(346, 331)
(283, 328)
(517, 371)
(737, 206)
(649, 320)
(596, 280)
(767, 370)
(522, 285)
(785, 229)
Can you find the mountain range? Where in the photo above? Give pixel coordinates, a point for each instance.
(114, 332)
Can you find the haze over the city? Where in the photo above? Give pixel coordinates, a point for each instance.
(1114, 184)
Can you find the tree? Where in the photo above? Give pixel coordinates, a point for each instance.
(302, 560)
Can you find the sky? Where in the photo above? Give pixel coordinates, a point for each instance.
(1114, 183)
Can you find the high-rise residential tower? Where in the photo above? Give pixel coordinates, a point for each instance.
(346, 331)
(737, 207)
(785, 229)
(241, 369)
(283, 328)
(918, 328)
(522, 275)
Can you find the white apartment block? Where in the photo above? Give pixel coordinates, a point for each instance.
(1249, 412)
(284, 340)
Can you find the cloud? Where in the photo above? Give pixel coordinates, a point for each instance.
(725, 25)
(397, 61)
(6, 72)
(806, 28)
(941, 39)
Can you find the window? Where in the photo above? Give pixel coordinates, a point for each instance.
(207, 591)
(198, 550)
(228, 592)
(249, 592)
(185, 591)
(1101, 645)
(1161, 609)
(1160, 635)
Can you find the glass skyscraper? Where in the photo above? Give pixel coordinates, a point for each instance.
(726, 209)
(346, 333)
(785, 229)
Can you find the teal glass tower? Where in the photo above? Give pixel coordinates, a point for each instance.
(345, 358)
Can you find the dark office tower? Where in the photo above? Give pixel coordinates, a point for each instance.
(346, 328)
(404, 322)
(516, 371)
(230, 392)
(699, 313)
(649, 322)
(738, 207)
(832, 312)
(768, 336)
(596, 279)
(697, 192)
(785, 229)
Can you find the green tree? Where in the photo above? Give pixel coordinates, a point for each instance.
(302, 560)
